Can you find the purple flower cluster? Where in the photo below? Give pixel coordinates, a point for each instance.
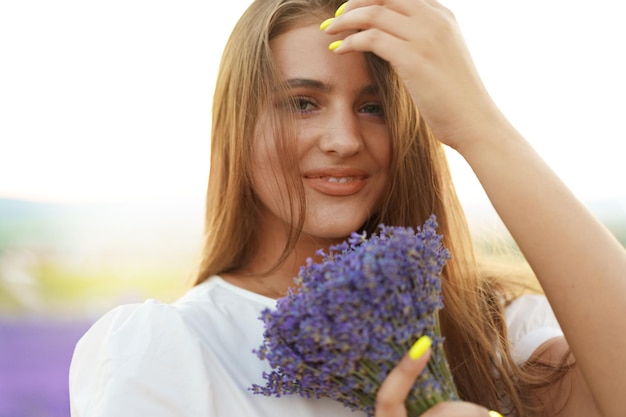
(353, 317)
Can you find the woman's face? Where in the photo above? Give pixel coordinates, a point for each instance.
(343, 147)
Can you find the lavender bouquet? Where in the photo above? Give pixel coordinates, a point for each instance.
(353, 317)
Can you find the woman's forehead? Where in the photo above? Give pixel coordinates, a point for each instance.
(302, 54)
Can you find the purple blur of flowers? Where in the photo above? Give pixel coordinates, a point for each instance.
(354, 315)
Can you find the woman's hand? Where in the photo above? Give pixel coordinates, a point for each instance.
(394, 390)
(422, 41)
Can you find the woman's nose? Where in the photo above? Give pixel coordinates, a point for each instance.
(343, 136)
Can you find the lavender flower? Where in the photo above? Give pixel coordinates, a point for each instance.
(353, 317)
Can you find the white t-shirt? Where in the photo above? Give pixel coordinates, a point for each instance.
(194, 357)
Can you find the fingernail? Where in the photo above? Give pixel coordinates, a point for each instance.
(420, 347)
(494, 414)
(326, 23)
(341, 9)
(334, 45)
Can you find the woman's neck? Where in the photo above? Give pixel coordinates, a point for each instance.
(262, 275)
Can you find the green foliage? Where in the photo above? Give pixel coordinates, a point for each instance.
(60, 290)
(61, 284)
(72, 259)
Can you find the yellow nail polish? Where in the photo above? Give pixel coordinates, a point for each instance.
(420, 347)
(341, 9)
(334, 45)
(326, 23)
(494, 414)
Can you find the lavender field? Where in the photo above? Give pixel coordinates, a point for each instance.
(61, 268)
(34, 360)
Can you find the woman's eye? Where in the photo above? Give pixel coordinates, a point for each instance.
(375, 109)
(302, 105)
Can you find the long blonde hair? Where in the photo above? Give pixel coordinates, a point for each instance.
(420, 185)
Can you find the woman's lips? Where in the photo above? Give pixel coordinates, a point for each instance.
(337, 181)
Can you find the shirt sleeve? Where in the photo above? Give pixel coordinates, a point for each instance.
(139, 360)
(531, 322)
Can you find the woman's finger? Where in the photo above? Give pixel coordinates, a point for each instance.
(401, 6)
(396, 387)
(392, 394)
(372, 17)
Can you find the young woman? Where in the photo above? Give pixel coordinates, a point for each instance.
(319, 131)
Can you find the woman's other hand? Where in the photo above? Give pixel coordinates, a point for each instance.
(392, 394)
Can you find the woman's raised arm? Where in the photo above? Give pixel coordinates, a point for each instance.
(580, 265)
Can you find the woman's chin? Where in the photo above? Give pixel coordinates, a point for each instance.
(333, 230)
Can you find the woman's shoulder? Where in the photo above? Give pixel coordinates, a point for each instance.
(140, 325)
(192, 322)
(127, 332)
(135, 352)
(136, 324)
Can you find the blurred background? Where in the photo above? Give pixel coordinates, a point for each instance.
(104, 138)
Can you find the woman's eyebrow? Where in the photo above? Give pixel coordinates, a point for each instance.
(309, 83)
(324, 87)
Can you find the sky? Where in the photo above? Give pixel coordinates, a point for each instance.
(104, 101)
